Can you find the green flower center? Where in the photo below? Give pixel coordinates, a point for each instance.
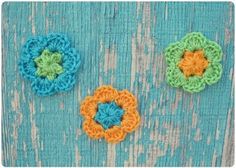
(49, 64)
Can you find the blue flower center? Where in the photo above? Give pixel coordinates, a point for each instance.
(108, 114)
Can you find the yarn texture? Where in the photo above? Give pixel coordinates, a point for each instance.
(110, 114)
(193, 62)
(50, 63)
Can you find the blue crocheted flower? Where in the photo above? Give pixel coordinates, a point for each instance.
(49, 63)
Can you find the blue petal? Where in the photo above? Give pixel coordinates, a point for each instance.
(64, 82)
(27, 69)
(33, 48)
(108, 115)
(43, 87)
(71, 60)
(57, 42)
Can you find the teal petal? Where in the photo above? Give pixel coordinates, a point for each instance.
(43, 87)
(64, 82)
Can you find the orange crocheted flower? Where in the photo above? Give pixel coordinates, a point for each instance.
(193, 63)
(110, 114)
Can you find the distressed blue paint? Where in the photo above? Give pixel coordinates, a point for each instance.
(120, 44)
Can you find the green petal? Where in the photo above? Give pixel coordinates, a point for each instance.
(213, 73)
(38, 60)
(56, 57)
(57, 69)
(174, 76)
(194, 84)
(41, 65)
(46, 53)
(194, 41)
(40, 72)
(212, 51)
(174, 52)
(51, 76)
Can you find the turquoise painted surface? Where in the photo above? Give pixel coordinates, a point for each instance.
(121, 44)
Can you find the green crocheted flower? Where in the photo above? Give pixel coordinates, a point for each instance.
(193, 62)
(48, 64)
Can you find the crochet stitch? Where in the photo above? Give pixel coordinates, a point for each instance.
(193, 62)
(49, 63)
(110, 114)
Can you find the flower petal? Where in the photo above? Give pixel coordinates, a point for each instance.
(114, 134)
(126, 100)
(174, 52)
(212, 74)
(212, 51)
(194, 41)
(33, 48)
(56, 57)
(174, 76)
(51, 76)
(194, 84)
(57, 42)
(130, 120)
(43, 86)
(105, 94)
(71, 60)
(57, 69)
(64, 82)
(93, 129)
(27, 69)
(88, 107)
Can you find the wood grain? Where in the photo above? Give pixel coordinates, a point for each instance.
(120, 44)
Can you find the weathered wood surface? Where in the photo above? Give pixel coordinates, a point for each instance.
(121, 44)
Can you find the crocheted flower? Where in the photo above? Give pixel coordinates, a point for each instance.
(49, 63)
(193, 62)
(110, 114)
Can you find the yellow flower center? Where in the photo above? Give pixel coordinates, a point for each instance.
(193, 63)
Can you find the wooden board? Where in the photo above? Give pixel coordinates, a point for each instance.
(120, 44)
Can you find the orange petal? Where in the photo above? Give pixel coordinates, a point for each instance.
(188, 54)
(105, 94)
(130, 120)
(88, 107)
(93, 129)
(114, 134)
(199, 53)
(126, 100)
